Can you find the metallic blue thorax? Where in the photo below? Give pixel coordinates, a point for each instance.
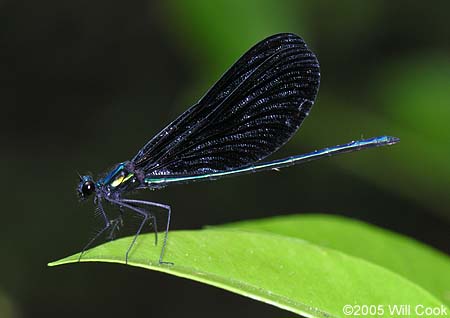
(118, 179)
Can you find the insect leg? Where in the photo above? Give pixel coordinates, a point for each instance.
(116, 224)
(144, 213)
(107, 226)
(166, 232)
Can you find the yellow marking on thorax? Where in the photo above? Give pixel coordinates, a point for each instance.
(121, 179)
(117, 181)
(130, 175)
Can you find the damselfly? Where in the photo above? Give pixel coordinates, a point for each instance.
(254, 108)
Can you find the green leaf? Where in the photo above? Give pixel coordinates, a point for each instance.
(282, 270)
(413, 260)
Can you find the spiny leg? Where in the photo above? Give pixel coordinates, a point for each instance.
(116, 224)
(168, 209)
(148, 213)
(107, 225)
(152, 216)
(144, 213)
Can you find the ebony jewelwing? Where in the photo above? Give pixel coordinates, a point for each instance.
(254, 109)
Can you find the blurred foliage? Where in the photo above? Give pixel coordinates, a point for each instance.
(210, 41)
(414, 97)
(7, 309)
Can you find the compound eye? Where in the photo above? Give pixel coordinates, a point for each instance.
(88, 188)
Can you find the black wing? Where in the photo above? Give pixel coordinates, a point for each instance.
(254, 109)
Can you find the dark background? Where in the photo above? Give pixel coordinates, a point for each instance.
(84, 84)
